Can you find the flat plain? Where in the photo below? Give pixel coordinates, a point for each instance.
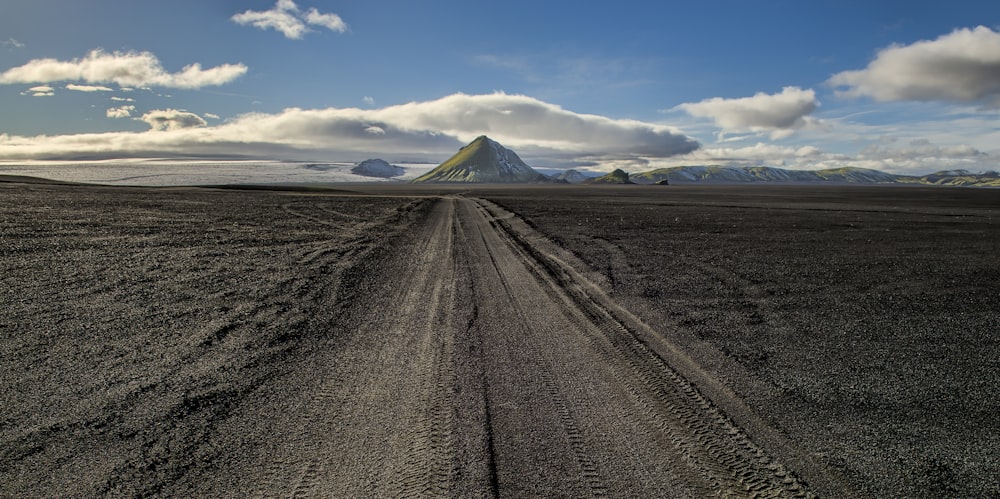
(499, 341)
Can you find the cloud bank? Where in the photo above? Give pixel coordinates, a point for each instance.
(962, 66)
(431, 130)
(779, 114)
(286, 18)
(126, 69)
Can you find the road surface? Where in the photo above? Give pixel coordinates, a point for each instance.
(490, 367)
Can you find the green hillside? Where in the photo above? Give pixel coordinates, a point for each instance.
(483, 161)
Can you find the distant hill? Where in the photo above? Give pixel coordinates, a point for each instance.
(484, 161)
(739, 175)
(377, 168)
(962, 178)
(618, 176)
(714, 174)
(572, 177)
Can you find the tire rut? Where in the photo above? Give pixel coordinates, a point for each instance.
(493, 368)
(588, 472)
(712, 445)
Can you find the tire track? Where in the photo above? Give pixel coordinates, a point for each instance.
(382, 419)
(712, 445)
(588, 472)
(493, 368)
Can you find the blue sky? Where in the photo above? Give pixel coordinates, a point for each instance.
(907, 87)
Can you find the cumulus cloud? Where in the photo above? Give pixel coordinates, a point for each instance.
(210, 115)
(962, 66)
(369, 100)
(126, 69)
(431, 130)
(120, 112)
(286, 18)
(780, 114)
(122, 99)
(87, 88)
(172, 119)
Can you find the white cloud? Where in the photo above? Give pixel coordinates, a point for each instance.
(962, 66)
(431, 130)
(522, 121)
(210, 115)
(122, 99)
(120, 112)
(129, 69)
(40, 91)
(87, 88)
(369, 100)
(332, 22)
(172, 119)
(780, 114)
(286, 18)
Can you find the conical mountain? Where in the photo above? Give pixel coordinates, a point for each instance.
(483, 161)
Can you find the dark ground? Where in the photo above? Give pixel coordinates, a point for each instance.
(188, 341)
(867, 319)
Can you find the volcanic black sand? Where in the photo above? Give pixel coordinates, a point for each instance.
(531, 341)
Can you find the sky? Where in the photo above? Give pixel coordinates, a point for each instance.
(908, 87)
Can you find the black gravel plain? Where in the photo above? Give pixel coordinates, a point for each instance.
(192, 342)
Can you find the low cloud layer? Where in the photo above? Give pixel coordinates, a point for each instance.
(543, 134)
(431, 130)
(126, 69)
(522, 121)
(286, 18)
(915, 157)
(778, 113)
(963, 66)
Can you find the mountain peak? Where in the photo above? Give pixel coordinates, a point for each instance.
(483, 160)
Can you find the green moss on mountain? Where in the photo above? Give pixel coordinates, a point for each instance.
(483, 161)
(618, 176)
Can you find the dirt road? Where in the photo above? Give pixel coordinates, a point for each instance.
(471, 357)
(488, 366)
